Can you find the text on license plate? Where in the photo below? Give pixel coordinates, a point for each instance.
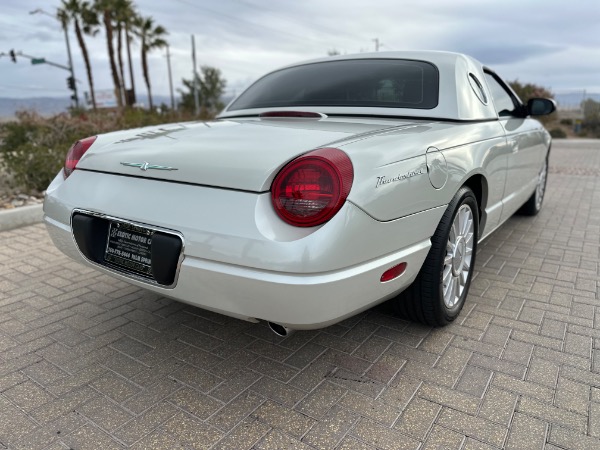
(130, 247)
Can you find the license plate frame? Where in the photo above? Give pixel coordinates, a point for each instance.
(129, 248)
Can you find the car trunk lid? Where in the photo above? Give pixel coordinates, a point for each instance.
(243, 154)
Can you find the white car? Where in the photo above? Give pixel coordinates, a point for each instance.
(322, 190)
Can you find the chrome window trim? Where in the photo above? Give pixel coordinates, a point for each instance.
(478, 88)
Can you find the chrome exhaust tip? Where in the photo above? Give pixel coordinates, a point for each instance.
(280, 330)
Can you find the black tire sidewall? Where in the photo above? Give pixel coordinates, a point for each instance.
(535, 205)
(530, 207)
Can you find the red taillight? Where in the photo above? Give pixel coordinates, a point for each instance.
(311, 189)
(393, 272)
(75, 153)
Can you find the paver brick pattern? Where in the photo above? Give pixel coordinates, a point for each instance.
(90, 362)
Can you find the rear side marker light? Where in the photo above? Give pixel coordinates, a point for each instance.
(75, 153)
(393, 272)
(312, 188)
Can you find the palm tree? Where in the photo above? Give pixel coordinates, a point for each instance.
(124, 14)
(105, 8)
(85, 21)
(151, 37)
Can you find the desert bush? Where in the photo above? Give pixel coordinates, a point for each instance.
(567, 122)
(591, 118)
(558, 133)
(527, 91)
(33, 148)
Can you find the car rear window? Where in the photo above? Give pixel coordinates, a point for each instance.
(382, 83)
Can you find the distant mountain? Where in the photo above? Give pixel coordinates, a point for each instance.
(48, 106)
(573, 100)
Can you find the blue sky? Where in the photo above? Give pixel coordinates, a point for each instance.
(548, 42)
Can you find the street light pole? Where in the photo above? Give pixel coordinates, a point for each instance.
(66, 31)
(196, 100)
(377, 44)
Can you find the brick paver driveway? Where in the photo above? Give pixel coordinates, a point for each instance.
(90, 362)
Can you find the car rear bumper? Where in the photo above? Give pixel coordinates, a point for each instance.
(246, 265)
(300, 301)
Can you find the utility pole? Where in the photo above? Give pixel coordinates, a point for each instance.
(195, 82)
(171, 78)
(376, 40)
(66, 31)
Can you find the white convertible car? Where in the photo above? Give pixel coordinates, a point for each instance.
(324, 189)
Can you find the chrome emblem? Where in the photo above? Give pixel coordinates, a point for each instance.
(146, 165)
(381, 181)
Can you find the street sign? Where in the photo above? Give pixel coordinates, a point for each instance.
(35, 61)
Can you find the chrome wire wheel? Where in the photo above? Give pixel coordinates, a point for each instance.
(541, 186)
(459, 256)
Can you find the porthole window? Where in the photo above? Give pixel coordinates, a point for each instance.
(477, 88)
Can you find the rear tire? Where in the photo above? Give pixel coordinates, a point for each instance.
(534, 205)
(438, 294)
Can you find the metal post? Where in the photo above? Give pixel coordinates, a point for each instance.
(170, 78)
(195, 83)
(65, 29)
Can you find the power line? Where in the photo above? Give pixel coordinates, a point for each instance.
(263, 27)
(334, 32)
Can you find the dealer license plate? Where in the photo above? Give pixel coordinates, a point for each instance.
(130, 247)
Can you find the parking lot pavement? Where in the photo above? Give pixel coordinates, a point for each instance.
(88, 362)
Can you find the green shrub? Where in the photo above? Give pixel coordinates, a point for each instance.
(558, 133)
(33, 149)
(567, 122)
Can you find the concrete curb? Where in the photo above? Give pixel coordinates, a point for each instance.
(20, 217)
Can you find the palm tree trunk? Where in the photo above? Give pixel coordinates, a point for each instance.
(128, 43)
(111, 57)
(146, 75)
(120, 59)
(86, 59)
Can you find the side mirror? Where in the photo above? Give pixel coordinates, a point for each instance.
(540, 106)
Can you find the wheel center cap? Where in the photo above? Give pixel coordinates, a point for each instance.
(458, 256)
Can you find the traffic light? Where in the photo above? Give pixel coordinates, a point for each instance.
(13, 55)
(71, 83)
